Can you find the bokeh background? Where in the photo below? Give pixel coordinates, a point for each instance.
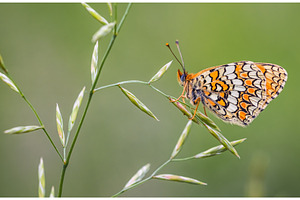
(47, 49)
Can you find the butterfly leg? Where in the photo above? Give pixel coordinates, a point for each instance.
(197, 101)
(204, 110)
(183, 99)
(183, 96)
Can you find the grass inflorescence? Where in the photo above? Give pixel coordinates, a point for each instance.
(112, 27)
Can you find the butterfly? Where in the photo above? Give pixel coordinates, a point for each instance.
(235, 92)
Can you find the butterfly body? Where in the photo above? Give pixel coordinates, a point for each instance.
(235, 92)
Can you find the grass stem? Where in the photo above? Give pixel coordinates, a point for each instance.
(113, 38)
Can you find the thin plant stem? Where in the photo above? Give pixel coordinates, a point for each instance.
(37, 116)
(116, 18)
(183, 159)
(66, 162)
(144, 180)
(120, 83)
(62, 178)
(131, 81)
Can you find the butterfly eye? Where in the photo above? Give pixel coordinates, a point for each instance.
(182, 78)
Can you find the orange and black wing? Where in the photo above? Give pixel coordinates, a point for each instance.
(238, 92)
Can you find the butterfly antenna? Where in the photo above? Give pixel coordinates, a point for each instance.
(177, 44)
(167, 44)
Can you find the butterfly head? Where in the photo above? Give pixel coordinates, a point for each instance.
(181, 77)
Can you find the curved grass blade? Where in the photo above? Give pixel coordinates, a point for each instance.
(9, 82)
(2, 64)
(94, 63)
(171, 177)
(41, 174)
(199, 117)
(103, 31)
(181, 139)
(217, 149)
(96, 15)
(222, 140)
(22, 129)
(60, 126)
(210, 125)
(138, 176)
(159, 74)
(207, 120)
(52, 194)
(110, 8)
(183, 109)
(137, 102)
(75, 110)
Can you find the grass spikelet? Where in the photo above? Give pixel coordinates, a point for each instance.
(181, 139)
(95, 14)
(171, 177)
(137, 102)
(22, 129)
(60, 126)
(9, 82)
(41, 174)
(159, 74)
(138, 176)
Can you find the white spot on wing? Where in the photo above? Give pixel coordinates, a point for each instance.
(214, 96)
(232, 107)
(253, 75)
(247, 67)
(254, 101)
(219, 88)
(251, 109)
(231, 99)
(229, 69)
(259, 93)
(239, 88)
(235, 93)
(208, 79)
(231, 76)
(257, 83)
(237, 82)
(208, 87)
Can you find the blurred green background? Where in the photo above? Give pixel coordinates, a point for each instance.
(47, 49)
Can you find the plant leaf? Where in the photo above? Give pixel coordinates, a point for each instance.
(183, 109)
(182, 138)
(2, 64)
(137, 102)
(217, 149)
(171, 177)
(210, 125)
(110, 8)
(96, 15)
(60, 126)
(94, 63)
(75, 109)
(138, 176)
(222, 140)
(22, 129)
(6, 80)
(103, 31)
(207, 120)
(159, 74)
(52, 194)
(41, 174)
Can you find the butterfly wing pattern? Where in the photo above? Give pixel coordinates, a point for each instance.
(276, 77)
(237, 92)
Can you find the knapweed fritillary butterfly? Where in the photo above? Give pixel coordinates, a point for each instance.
(235, 92)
